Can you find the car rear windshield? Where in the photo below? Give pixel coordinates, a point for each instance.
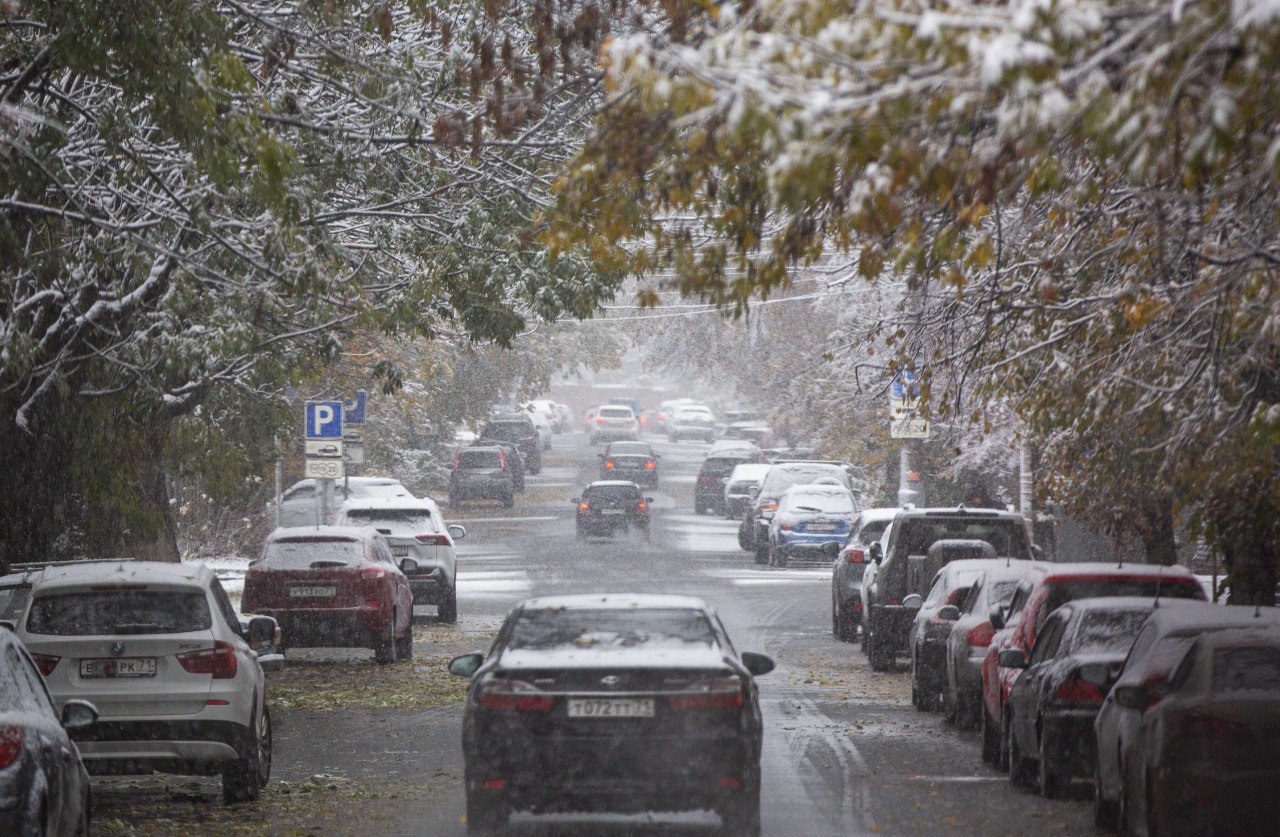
(722, 466)
(419, 520)
(125, 610)
(630, 449)
(1248, 668)
(1108, 631)
(1007, 536)
(312, 553)
(609, 628)
(1062, 592)
(782, 477)
(508, 431)
(616, 412)
(602, 493)
(479, 459)
(873, 531)
(826, 502)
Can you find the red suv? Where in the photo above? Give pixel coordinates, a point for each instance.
(334, 587)
(1061, 584)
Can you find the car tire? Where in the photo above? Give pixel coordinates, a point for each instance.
(243, 780)
(1105, 810)
(404, 645)
(698, 508)
(508, 500)
(384, 652)
(447, 609)
(990, 740)
(880, 657)
(950, 709)
(744, 543)
(487, 815)
(762, 551)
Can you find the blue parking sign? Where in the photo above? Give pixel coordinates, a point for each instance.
(324, 420)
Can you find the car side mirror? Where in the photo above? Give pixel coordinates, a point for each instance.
(78, 715)
(757, 664)
(996, 617)
(949, 613)
(914, 601)
(877, 553)
(457, 532)
(1132, 697)
(408, 565)
(261, 632)
(1012, 658)
(832, 549)
(467, 664)
(649, 500)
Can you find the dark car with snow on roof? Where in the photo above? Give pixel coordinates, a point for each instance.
(609, 507)
(626, 703)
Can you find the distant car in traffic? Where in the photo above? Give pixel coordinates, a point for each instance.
(44, 787)
(780, 477)
(808, 518)
(661, 421)
(738, 487)
(713, 475)
(484, 472)
(848, 568)
(635, 461)
(621, 703)
(614, 422)
(518, 430)
(691, 421)
(758, 434)
(334, 587)
(609, 507)
(159, 650)
(415, 529)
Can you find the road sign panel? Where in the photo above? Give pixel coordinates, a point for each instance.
(900, 409)
(355, 409)
(354, 454)
(909, 429)
(324, 420)
(324, 448)
(324, 469)
(352, 434)
(905, 386)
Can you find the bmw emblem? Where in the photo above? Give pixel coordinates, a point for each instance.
(610, 682)
(117, 648)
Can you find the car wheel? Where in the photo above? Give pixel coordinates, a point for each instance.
(1104, 810)
(404, 645)
(508, 500)
(837, 619)
(881, 657)
(447, 609)
(762, 551)
(243, 780)
(698, 508)
(744, 542)
(950, 711)
(384, 652)
(1050, 781)
(487, 814)
(990, 740)
(863, 633)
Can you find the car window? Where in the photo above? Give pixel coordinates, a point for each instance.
(383, 550)
(44, 701)
(1061, 592)
(13, 600)
(601, 493)
(616, 412)
(120, 610)
(827, 502)
(630, 449)
(477, 459)
(936, 591)
(720, 466)
(782, 477)
(306, 553)
(17, 693)
(1007, 536)
(1047, 642)
(300, 492)
(223, 602)
(1246, 668)
(1108, 631)
(412, 521)
(871, 532)
(508, 431)
(610, 628)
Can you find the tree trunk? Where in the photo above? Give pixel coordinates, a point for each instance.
(1159, 542)
(157, 538)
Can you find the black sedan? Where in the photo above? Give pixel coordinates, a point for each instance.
(612, 703)
(44, 788)
(608, 507)
(633, 461)
(1077, 657)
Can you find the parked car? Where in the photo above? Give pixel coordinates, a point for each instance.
(674, 724)
(750, 431)
(808, 518)
(635, 461)
(713, 476)
(158, 649)
(1059, 585)
(781, 476)
(43, 781)
(334, 587)
(520, 431)
(1145, 681)
(900, 571)
(1055, 699)
(608, 507)
(691, 421)
(515, 461)
(614, 422)
(662, 416)
(738, 486)
(854, 558)
(938, 612)
(299, 505)
(485, 472)
(415, 529)
(736, 447)
(971, 635)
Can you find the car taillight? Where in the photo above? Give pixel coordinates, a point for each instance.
(584, 507)
(856, 556)
(642, 507)
(10, 745)
(373, 573)
(1078, 691)
(769, 507)
(650, 465)
(220, 661)
(717, 693)
(786, 527)
(514, 696)
(980, 636)
(608, 463)
(46, 663)
(703, 479)
(502, 460)
(434, 540)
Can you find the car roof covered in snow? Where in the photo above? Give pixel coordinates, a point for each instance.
(1113, 603)
(123, 572)
(1111, 569)
(749, 471)
(387, 503)
(1191, 616)
(608, 601)
(877, 515)
(599, 483)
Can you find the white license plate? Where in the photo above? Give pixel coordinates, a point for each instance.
(313, 592)
(613, 511)
(123, 667)
(611, 708)
(400, 551)
(821, 527)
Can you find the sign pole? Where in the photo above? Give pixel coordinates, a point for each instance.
(279, 481)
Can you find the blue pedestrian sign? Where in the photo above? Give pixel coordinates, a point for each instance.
(904, 387)
(324, 420)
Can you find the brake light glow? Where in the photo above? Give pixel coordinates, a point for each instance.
(856, 556)
(220, 661)
(642, 507)
(10, 745)
(717, 693)
(434, 540)
(1078, 691)
(373, 573)
(980, 636)
(608, 463)
(584, 506)
(514, 696)
(786, 527)
(650, 465)
(495, 784)
(46, 663)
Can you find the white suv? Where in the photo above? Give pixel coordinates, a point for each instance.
(158, 649)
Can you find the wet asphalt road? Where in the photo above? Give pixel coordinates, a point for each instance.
(845, 752)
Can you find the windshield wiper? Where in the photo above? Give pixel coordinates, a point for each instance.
(139, 628)
(808, 509)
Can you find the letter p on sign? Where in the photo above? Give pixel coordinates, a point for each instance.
(324, 420)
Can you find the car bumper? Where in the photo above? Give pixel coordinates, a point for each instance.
(1068, 741)
(336, 628)
(1212, 801)
(426, 587)
(802, 543)
(189, 746)
(642, 476)
(607, 525)
(482, 487)
(615, 432)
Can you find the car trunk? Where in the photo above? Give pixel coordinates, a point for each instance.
(323, 586)
(628, 462)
